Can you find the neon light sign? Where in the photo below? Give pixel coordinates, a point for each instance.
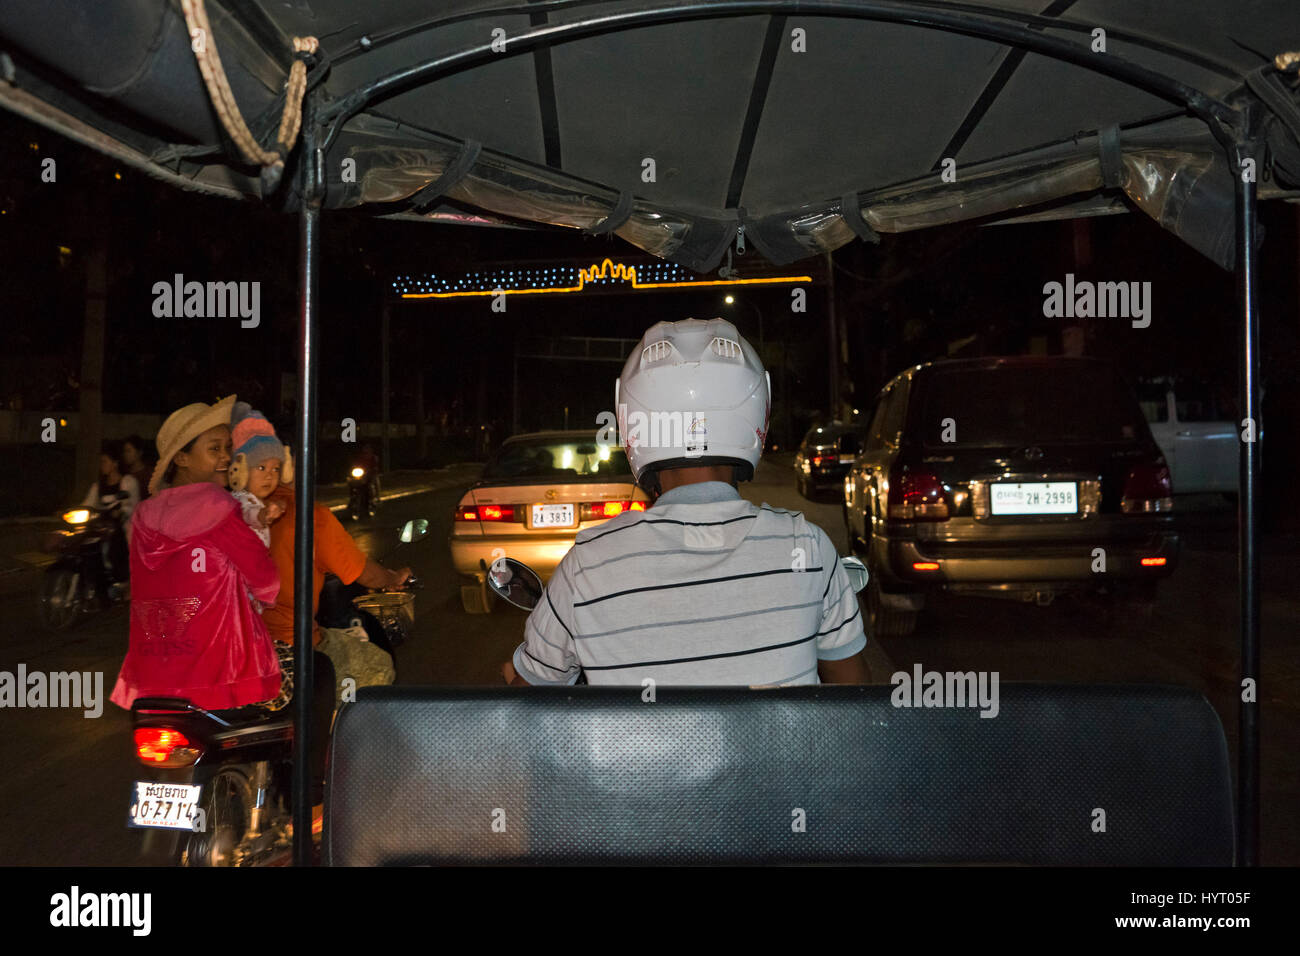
(546, 279)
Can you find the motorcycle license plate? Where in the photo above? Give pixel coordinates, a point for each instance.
(168, 806)
(1034, 498)
(553, 516)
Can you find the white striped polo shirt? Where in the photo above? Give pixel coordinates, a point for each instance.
(702, 588)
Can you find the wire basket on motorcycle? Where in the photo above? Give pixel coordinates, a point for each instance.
(388, 605)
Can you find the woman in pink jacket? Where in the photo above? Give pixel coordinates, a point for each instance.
(194, 562)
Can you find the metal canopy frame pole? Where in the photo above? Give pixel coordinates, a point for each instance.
(1247, 153)
(310, 194)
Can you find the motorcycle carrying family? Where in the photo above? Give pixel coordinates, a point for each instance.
(211, 561)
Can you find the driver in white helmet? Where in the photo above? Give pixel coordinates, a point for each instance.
(703, 588)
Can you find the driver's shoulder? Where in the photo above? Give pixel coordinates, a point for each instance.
(797, 523)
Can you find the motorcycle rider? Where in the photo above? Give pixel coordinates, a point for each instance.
(368, 460)
(117, 493)
(704, 587)
(134, 449)
(193, 632)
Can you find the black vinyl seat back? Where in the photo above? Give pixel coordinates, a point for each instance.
(1063, 774)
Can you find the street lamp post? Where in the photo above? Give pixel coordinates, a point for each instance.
(731, 300)
(762, 353)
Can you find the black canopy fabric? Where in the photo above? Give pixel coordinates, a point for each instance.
(684, 127)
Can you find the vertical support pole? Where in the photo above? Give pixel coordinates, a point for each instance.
(305, 481)
(1247, 507)
(387, 458)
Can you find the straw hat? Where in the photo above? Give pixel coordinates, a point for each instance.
(182, 427)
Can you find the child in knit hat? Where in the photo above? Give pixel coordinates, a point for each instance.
(261, 463)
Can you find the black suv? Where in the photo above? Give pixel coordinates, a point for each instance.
(821, 463)
(1016, 477)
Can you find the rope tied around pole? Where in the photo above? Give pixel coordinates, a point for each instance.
(203, 43)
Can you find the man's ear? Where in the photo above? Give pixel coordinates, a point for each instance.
(238, 474)
(286, 470)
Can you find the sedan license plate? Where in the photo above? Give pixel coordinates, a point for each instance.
(848, 459)
(169, 806)
(1034, 498)
(553, 516)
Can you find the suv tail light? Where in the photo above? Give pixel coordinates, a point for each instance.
(917, 496)
(598, 510)
(164, 747)
(1147, 488)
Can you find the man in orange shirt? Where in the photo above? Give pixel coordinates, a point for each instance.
(336, 553)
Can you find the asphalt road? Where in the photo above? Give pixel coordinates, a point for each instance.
(67, 779)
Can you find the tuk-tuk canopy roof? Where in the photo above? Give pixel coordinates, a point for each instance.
(673, 125)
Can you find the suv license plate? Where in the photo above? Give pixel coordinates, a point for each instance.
(1034, 498)
(553, 516)
(169, 806)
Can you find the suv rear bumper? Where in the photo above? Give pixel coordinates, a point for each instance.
(973, 555)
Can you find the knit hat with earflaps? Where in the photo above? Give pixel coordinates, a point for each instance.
(255, 441)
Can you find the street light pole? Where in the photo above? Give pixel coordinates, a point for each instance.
(731, 300)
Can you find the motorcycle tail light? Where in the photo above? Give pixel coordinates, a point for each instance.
(917, 496)
(165, 747)
(1148, 488)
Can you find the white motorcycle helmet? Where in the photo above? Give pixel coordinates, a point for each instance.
(693, 393)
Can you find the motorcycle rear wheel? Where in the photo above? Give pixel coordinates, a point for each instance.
(61, 598)
(228, 805)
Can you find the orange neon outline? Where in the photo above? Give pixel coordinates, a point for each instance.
(603, 271)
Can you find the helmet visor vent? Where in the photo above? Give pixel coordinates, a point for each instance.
(726, 349)
(659, 351)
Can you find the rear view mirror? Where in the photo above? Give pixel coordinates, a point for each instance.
(414, 530)
(857, 572)
(515, 582)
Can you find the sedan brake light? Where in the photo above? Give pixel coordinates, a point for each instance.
(497, 513)
(598, 510)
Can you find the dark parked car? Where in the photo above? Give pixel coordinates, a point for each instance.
(824, 457)
(1016, 477)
